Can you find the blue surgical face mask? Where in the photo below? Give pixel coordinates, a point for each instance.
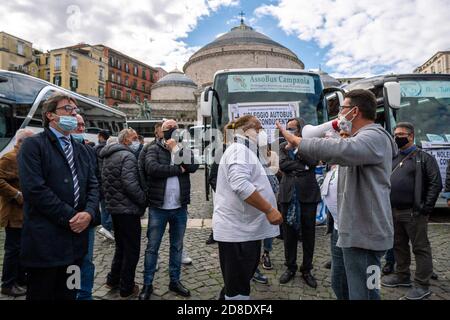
(134, 146)
(79, 137)
(67, 123)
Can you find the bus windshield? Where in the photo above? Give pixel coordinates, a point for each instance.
(426, 104)
(304, 89)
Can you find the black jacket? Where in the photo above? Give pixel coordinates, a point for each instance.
(97, 149)
(121, 186)
(47, 187)
(141, 165)
(158, 169)
(427, 182)
(295, 173)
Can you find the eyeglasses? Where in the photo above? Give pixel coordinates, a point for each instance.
(69, 108)
(346, 107)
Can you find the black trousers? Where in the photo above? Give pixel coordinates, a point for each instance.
(414, 229)
(238, 262)
(308, 236)
(127, 232)
(51, 283)
(13, 273)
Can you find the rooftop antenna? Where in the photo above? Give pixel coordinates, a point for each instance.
(242, 14)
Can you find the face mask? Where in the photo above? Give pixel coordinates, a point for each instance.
(168, 133)
(67, 123)
(292, 130)
(262, 139)
(345, 124)
(401, 141)
(79, 137)
(134, 146)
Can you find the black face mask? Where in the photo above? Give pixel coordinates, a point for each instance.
(401, 141)
(168, 133)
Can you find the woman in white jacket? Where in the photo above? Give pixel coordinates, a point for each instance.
(245, 208)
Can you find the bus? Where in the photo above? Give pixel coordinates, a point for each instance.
(21, 100)
(425, 102)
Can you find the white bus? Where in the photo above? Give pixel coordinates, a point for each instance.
(21, 100)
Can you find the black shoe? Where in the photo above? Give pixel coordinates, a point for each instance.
(327, 265)
(130, 294)
(310, 280)
(266, 262)
(388, 268)
(14, 291)
(434, 276)
(287, 276)
(146, 292)
(210, 239)
(178, 288)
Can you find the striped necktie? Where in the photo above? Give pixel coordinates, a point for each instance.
(68, 150)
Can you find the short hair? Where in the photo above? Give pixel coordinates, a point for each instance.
(365, 101)
(22, 134)
(300, 123)
(244, 123)
(51, 103)
(112, 140)
(124, 134)
(406, 125)
(105, 134)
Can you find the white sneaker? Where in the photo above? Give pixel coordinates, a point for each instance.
(106, 234)
(185, 258)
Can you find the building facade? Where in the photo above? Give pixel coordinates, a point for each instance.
(17, 55)
(128, 80)
(81, 68)
(438, 63)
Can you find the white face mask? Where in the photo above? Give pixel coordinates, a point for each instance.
(134, 146)
(262, 138)
(345, 124)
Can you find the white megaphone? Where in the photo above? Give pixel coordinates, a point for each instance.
(319, 131)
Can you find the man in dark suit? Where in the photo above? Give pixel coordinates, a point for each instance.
(60, 192)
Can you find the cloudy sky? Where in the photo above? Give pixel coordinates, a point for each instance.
(343, 37)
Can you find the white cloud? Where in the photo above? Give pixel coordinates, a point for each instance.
(151, 31)
(366, 37)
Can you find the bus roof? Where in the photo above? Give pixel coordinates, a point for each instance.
(379, 81)
(270, 70)
(74, 94)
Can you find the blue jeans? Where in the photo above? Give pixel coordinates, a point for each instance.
(87, 270)
(267, 244)
(105, 216)
(338, 276)
(157, 222)
(390, 258)
(357, 262)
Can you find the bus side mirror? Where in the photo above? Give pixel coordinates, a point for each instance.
(206, 102)
(340, 97)
(392, 94)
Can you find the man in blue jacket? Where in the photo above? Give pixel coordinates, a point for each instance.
(60, 194)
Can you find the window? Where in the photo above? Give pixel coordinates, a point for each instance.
(119, 64)
(100, 74)
(135, 71)
(113, 77)
(6, 123)
(126, 82)
(74, 64)
(57, 80)
(127, 68)
(128, 96)
(134, 86)
(46, 61)
(20, 48)
(57, 63)
(119, 78)
(144, 75)
(119, 94)
(111, 61)
(73, 84)
(143, 86)
(101, 92)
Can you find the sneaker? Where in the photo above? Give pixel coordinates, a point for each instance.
(185, 258)
(107, 234)
(260, 278)
(265, 260)
(418, 293)
(394, 281)
(14, 291)
(388, 268)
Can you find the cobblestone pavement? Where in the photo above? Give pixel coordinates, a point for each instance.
(204, 278)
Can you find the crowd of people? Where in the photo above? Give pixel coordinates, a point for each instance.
(57, 188)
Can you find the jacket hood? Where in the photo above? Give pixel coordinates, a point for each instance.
(108, 150)
(379, 128)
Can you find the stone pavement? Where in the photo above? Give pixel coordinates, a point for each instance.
(204, 278)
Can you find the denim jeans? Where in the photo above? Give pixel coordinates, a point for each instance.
(267, 244)
(157, 222)
(357, 262)
(338, 276)
(87, 270)
(390, 258)
(105, 216)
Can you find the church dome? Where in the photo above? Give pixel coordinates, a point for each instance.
(174, 78)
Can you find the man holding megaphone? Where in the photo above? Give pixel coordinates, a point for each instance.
(365, 160)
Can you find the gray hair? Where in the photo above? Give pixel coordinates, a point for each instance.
(124, 134)
(112, 140)
(22, 134)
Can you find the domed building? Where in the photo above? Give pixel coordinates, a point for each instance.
(173, 97)
(241, 47)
